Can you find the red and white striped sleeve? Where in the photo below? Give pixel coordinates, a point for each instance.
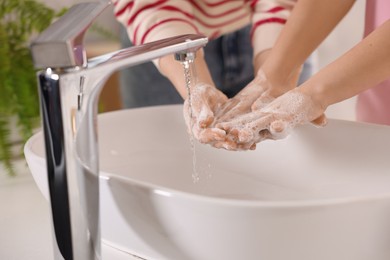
(150, 20)
(268, 19)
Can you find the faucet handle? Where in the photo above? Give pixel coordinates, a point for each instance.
(61, 44)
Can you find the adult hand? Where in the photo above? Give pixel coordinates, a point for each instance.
(259, 92)
(255, 95)
(241, 103)
(273, 121)
(200, 109)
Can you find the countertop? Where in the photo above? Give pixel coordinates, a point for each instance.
(25, 229)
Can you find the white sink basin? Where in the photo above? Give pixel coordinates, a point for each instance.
(320, 194)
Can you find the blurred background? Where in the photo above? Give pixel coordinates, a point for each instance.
(346, 34)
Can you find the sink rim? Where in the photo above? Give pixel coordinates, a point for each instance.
(159, 190)
(245, 202)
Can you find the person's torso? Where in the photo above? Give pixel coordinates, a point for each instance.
(377, 12)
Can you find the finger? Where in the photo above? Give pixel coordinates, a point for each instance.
(263, 135)
(247, 127)
(242, 139)
(202, 114)
(245, 146)
(259, 121)
(231, 111)
(211, 135)
(261, 102)
(240, 121)
(205, 117)
(226, 126)
(251, 145)
(320, 121)
(279, 129)
(245, 135)
(229, 105)
(227, 145)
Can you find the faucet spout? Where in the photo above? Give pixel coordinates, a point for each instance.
(69, 92)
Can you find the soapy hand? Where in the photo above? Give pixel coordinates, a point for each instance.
(256, 95)
(200, 109)
(210, 106)
(259, 90)
(273, 121)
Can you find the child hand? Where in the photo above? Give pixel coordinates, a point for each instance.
(200, 108)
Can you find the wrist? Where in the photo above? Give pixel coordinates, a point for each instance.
(317, 93)
(279, 82)
(281, 71)
(260, 59)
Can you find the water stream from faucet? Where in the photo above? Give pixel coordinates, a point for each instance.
(190, 80)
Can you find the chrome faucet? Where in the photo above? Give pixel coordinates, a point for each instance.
(69, 88)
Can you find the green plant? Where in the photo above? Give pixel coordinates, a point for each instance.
(19, 21)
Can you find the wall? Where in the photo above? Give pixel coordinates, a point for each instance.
(105, 20)
(347, 34)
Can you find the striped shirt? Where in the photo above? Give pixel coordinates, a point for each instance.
(151, 20)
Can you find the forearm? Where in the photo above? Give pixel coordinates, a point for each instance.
(364, 66)
(151, 20)
(268, 20)
(308, 25)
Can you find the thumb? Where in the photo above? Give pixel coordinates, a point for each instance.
(320, 121)
(205, 117)
(279, 129)
(261, 102)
